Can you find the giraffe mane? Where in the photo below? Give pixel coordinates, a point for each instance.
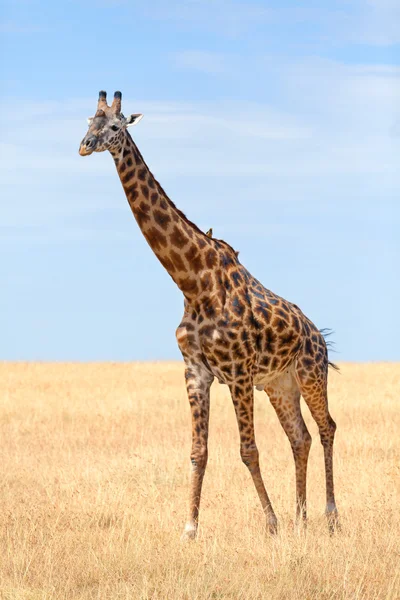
(217, 241)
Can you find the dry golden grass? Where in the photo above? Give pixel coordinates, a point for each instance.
(94, 488)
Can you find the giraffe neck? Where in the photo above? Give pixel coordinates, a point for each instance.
(185, 251)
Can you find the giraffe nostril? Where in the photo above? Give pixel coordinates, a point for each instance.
(91, 142)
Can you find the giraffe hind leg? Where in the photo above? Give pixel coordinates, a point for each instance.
(312, 382)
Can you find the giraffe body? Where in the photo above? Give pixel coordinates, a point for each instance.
(245, 326)
(233, 328)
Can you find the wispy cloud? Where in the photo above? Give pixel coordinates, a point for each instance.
(350, 105)
(377, 23)
(341, 126)
(371, 22)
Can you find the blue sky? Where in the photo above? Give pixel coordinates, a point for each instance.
(276, 123)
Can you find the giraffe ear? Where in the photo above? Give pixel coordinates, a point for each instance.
(133, 119)
(89, 120)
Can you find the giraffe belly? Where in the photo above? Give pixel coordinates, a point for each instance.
(263, 379)
(229, 360)
(270, 367)
(260, 379)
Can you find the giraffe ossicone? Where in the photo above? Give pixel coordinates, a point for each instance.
(233, 328)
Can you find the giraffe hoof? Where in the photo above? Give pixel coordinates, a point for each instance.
(334, 526)
(300, 525)
(272, 526)
(333, 521)
(189, 533)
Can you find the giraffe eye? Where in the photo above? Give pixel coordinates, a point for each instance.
(115, 127)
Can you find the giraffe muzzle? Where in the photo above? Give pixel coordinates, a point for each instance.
(88, 145)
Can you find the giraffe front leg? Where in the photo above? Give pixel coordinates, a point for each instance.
(198, 383)
(243, 401)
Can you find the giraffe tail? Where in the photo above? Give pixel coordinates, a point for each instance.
(330, 344)
(333, 366)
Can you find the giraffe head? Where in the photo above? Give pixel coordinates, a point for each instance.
(107, 127)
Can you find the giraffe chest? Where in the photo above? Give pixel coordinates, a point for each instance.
(217, 346)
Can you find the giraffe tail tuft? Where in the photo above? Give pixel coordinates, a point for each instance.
(333, 366)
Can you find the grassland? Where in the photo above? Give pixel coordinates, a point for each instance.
(94, 470)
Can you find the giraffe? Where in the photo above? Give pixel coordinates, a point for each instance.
(233, 328)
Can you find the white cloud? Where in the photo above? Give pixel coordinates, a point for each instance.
(371, 22)
(237, 19)
(333, 107)
(339, 125)
(31, 143)
(377, 23)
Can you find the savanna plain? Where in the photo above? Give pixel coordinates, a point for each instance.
(94, 473)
